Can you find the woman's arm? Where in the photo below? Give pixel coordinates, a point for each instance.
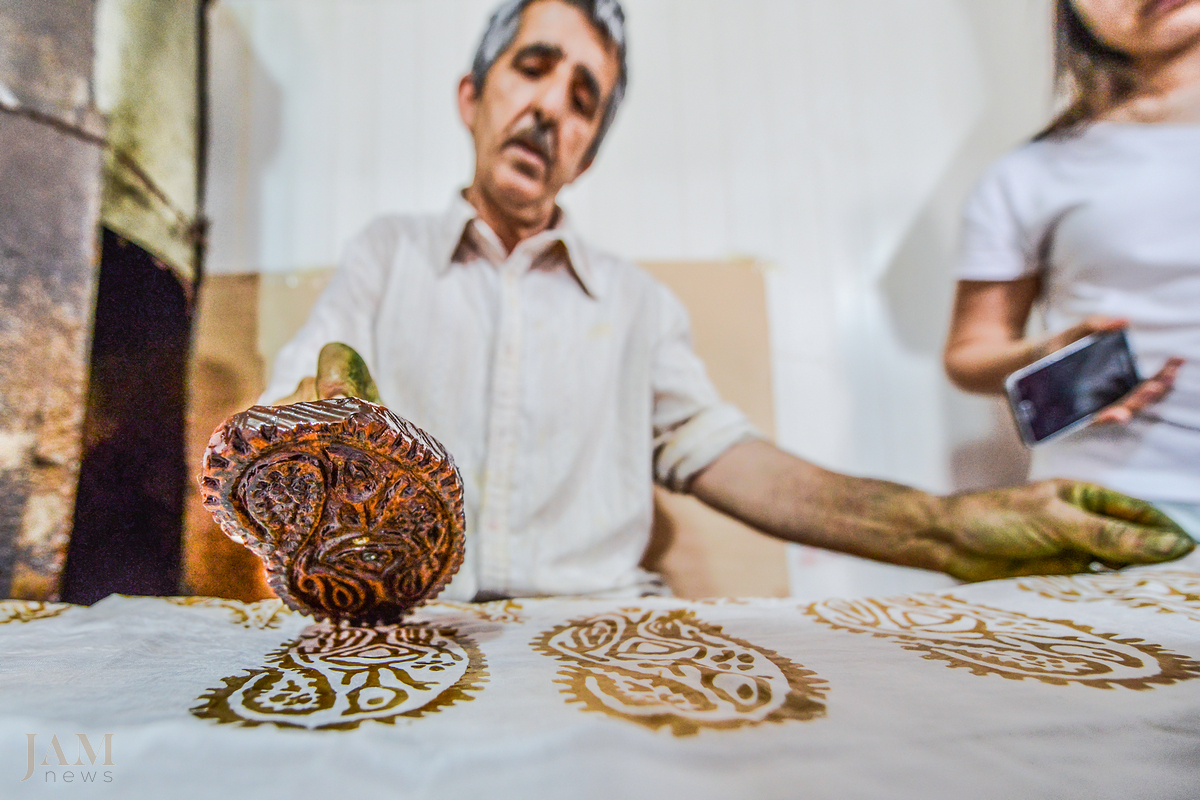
(987, 342)
(987, 333)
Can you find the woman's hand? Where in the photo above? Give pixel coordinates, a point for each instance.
(1096, 323)
(987, 343)
(1147, 393)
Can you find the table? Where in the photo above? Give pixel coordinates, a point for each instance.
(1065, 687)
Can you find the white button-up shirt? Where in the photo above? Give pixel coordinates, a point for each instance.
(561, 379)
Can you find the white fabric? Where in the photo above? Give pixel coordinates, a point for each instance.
(1186, 516)
(1064, 689)
(1111, 219)
(560, 378)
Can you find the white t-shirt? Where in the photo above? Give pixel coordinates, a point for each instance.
(1110, 217)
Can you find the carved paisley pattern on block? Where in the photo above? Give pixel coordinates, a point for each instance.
(669, 669)
(285, 495)
(261, 615)
(29, 610)
(1164, 592)
(990, 641)
(335, 677)
(356, 512)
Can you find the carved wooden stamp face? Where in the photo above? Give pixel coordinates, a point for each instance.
(356, 512)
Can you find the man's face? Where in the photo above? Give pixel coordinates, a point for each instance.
(541, 105)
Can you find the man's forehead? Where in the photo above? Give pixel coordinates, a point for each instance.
(567, 28)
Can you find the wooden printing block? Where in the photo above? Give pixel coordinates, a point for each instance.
(356, 512)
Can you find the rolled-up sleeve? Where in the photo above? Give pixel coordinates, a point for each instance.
(345, 311)
(692, 425)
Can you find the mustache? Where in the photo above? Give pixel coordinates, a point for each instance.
(539, 136)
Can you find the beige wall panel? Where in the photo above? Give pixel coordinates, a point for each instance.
(702, 552)
(226, 377)
(283, 304)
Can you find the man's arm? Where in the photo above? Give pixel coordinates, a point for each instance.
(1052, 527)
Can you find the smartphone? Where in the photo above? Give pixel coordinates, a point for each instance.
(1064, 390)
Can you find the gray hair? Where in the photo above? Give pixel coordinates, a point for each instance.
(502, 29)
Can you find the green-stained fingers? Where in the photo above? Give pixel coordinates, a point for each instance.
(341, 372)
(1107, 503)
(1132, 531)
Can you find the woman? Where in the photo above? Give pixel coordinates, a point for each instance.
(1099, 219)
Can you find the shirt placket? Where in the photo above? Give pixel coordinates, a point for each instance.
(504, 417)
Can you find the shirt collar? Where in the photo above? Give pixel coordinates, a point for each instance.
(461, 213)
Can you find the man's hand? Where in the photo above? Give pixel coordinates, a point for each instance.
(1053, 527)
(341, 372)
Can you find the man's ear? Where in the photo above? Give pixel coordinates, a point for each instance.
(468, 101)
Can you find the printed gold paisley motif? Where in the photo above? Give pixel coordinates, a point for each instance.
(262, 615)
(1165, 592)
(336, 677)
(29, 610)
(991, 641)
(670, 669)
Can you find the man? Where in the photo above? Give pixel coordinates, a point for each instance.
(563, 381)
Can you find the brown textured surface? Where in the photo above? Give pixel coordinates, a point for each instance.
(357, 513)
(49, 205)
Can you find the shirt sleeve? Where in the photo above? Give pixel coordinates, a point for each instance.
(345, 311)
(692, 425)
(996, 245)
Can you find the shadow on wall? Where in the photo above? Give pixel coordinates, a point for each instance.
(985, 450)
(918, 286)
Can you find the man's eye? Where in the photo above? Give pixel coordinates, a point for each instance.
(585, 104)
(531, 68)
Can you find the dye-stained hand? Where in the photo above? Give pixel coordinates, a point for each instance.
(1053, 527)
(341, 372)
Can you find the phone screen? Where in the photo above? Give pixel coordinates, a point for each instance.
(1067, 387)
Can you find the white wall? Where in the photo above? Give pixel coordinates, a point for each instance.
(832, 138)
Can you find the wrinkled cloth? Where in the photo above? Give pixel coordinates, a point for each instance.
(1080, 687)
(561, 379)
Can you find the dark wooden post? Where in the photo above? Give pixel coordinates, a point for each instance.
(50, 165)
(100, 105)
